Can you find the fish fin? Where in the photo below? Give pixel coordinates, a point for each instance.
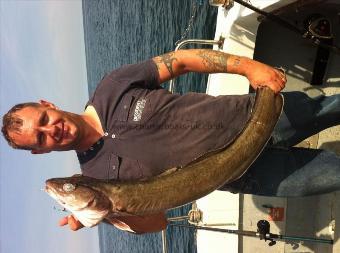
(168, 172)
(90, 218)
(77, 175)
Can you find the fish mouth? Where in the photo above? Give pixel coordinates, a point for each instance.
(50, 186)
(48, 189)
(53, 193)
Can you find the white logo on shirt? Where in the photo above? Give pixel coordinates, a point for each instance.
(137, 116)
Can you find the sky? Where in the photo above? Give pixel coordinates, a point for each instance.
(42, 55)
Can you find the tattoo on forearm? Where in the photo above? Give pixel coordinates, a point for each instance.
(167, 60)
(237, 62)
(213, 60)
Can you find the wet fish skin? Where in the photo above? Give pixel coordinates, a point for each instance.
(188, 183)
(87, 204)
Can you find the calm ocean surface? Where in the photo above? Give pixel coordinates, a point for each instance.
(121, 32)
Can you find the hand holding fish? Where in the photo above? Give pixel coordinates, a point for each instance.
(75, 224)
(89, 208)
(72, 221)
(132, 224)
(263, 75)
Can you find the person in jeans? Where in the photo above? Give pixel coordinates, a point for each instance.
(133, 129)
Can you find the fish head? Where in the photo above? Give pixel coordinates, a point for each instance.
(88, 204)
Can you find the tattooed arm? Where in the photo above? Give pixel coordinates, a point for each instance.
(173, 64)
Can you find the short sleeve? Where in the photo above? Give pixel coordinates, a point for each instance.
(115, 85)
(144, 74)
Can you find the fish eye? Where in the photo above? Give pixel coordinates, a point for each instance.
(68, 187)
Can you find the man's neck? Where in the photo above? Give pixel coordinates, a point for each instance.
(93, 130)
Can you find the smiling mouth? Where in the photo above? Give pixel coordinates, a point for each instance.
(61, 132)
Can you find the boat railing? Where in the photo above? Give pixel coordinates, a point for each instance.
(181, 44)
(195, 215)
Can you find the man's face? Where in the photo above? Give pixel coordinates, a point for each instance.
(45, 129)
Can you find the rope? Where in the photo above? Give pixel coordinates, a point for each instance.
(195, 4)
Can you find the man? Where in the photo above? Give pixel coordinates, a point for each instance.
(134, 129)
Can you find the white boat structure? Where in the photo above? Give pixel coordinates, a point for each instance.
(243, 31)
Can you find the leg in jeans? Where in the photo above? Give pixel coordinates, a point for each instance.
(291, 171)
(303, 116)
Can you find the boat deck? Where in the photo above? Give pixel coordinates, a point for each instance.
(316, 216)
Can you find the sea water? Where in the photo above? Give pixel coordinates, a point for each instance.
(129, 31)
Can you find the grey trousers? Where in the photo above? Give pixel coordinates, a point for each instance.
(287, 171)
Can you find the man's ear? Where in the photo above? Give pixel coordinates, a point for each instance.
(36, 152)
(48, 104)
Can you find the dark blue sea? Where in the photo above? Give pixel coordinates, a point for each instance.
(119, 32)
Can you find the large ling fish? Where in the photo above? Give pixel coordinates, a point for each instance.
(91, 200)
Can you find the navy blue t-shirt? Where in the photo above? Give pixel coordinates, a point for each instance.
(149, 130)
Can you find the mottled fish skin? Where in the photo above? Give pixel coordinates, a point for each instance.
(197, 179)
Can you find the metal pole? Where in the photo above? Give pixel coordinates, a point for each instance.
(202, 42)
(289, 26)
(271, 16)
(256, 234)
(186, 217)
(164, 243)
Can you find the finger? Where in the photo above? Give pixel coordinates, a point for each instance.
(280, 86)
(283, 77)
(74, 223)
(63, 221)
(280, 72)
(276, 88)
(281, 83)
(281, 80)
